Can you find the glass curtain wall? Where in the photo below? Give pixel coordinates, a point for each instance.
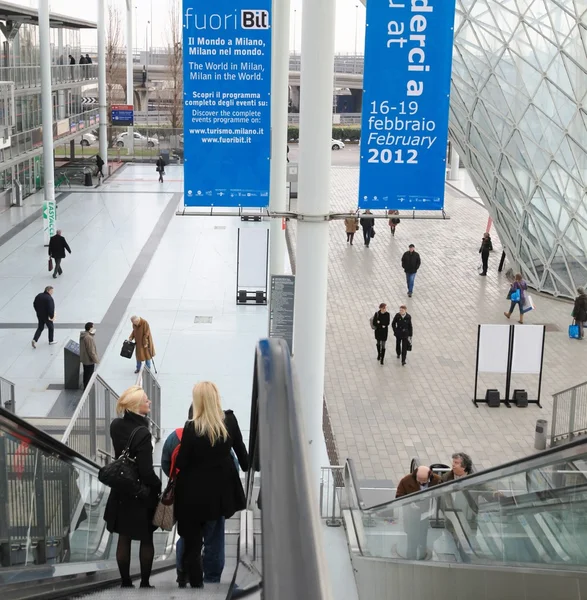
(518, 119)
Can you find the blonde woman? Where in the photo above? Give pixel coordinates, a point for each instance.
(208, 486)
(130, 517)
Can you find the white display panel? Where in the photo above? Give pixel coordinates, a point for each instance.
(527, 354)
(494, 342)
(252, 258)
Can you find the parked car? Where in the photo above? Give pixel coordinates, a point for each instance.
(337, 145)
(88, 139)
(139, 140)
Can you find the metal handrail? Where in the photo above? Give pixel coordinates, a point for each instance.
(296, 569)
(155, 398)
(575, 387)
(79, 408)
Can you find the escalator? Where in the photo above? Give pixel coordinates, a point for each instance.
(522, 524)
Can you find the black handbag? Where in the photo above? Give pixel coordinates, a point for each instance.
(128, 349)
(122, 474)
(409, 345)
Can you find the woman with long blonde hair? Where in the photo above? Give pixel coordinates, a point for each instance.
(208, 486)
(128, 516)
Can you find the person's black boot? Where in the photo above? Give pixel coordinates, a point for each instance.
(378, 351)
(382, 356)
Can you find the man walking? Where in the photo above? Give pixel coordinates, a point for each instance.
(57, 248)
(402, 329)
(411, 264)
(88, 352)
(44, 306)
(368, 225)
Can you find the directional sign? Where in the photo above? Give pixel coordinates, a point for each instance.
(123, 115)
(49, 220)
(86, 100)
(227, 114)
(404, 131)
(281, 309)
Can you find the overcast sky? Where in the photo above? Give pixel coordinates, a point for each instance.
(350, 14)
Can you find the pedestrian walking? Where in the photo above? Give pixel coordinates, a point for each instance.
(57, 247)
(516, 296)
(145, 347)
(100, 166)
(410, 264)
(129, 516)
(403, 331)
(393, 221)
(88, 352)
(352, 226)
(208, 486)
(580, 311)
(368, 225)
(160, 168)
(88, 59)
(380, 325)
(484, 250)
(44, 306)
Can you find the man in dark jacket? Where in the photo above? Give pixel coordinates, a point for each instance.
(57, 248)
(580, 310)
(213, 531)
(88, 352)
(403, 331)
(368, 225)
(411, 264)
(44, 306)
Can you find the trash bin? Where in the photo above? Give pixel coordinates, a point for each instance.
(88, 177)
(540, 435)
(71, 362)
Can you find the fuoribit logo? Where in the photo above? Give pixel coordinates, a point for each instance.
(249, 19)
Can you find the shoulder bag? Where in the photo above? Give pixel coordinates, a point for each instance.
(122, 474)
(164, 513)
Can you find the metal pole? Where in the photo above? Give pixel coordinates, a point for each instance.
(103, 129)
(356, 33)
(49, 206)
(294, 31)
(314, 199)
(129, 72)
(279, 98)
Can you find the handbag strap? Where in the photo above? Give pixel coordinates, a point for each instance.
(131, 438)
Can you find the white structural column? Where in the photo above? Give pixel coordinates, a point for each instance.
(317, 76)
(49, 207)
(103, 113)
(279, 103)
(130, 86)
(62, 67)
(453, 173)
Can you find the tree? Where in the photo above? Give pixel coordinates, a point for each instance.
(115, 72)
(175, 54)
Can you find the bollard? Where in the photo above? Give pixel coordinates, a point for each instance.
(540, 435)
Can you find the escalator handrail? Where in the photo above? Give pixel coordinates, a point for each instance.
(44, 441)
(482, 477)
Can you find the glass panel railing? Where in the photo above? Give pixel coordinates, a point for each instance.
(531, 512)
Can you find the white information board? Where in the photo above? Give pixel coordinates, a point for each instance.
(252, 257)
(494, 343)
(527, 353)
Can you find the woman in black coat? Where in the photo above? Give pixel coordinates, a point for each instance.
(381, 326)
(484, 250)
(402, 329)
(208, 485)
(128, 516)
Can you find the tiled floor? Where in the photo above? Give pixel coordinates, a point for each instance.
(382, 416)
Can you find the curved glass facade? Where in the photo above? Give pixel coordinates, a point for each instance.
(519, 120)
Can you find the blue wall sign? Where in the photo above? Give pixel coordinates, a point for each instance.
(122, 115)
(404, 132)
(227, 88)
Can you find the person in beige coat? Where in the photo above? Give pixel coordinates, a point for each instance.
(145, 348)
(87, 352)
(352, 225)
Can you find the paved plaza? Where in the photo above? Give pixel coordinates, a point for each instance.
(382, 416)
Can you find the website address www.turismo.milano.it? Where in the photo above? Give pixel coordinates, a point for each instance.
(237, 136)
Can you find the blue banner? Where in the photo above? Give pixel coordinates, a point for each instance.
(404, 131)
(227, 88)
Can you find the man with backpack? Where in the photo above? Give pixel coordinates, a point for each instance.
(213, 531)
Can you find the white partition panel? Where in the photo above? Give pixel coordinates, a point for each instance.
(494, 341)
(527, 352)
(252, 257)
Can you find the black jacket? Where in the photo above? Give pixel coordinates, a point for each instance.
(580, 308)
(124, 514)
(99, 162)
(402, 326)
(58, 246)
(486, 246)
(71, 60)
(411, 262)
(160, 164)
(367, 222)
(208, 485)
(44, 306)
(381, 322)
(88, 59)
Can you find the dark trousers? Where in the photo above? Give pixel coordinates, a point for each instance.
(401, 348)
(192, 558)
(485, 261)
(57, 270)
(88, 372)
(513, 306)
(213, 555)
(350, 236)
(161, 173)
(366, 235)
(42, 322)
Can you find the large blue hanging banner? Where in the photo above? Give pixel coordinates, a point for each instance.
(404, 132)
(227, 88)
